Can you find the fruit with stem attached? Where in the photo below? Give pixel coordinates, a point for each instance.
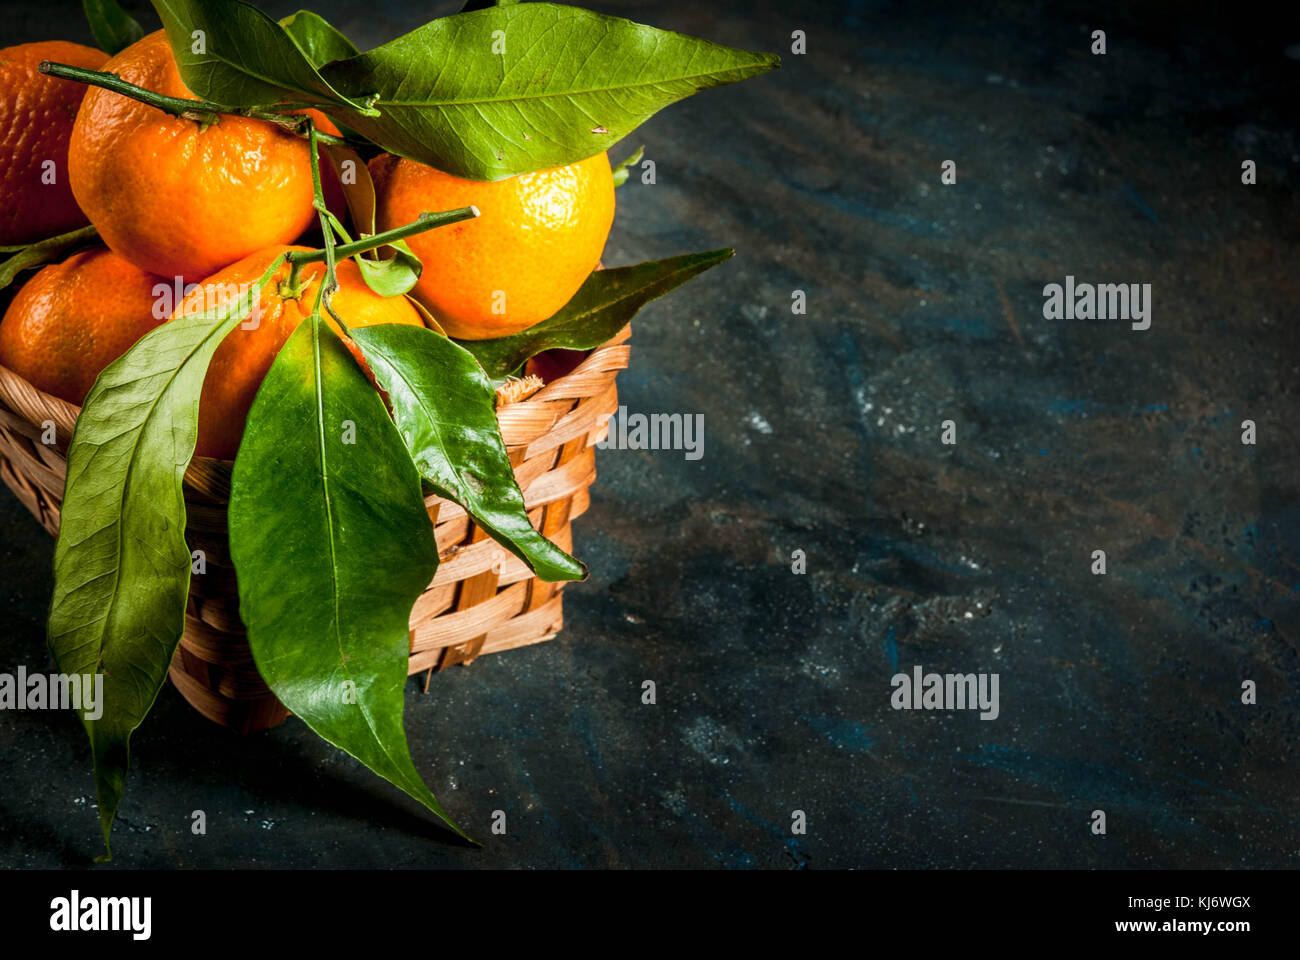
(180, 196)
(539, 237)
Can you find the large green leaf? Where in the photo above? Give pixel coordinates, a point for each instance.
(332, 545)
(33, 255)
(318, 39)
(508, 89)
(121, 566)
(601, 307)
(444, 407)
(114, 29)
(233, 54)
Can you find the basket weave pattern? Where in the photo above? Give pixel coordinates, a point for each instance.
(482, 600)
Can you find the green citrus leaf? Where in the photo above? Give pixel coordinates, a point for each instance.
(332, 546)
(121, 566)
(508, 89)
(621, 169)
(319, 40)
(601, 308)
(394, 276)
(34, 255)
(113, 28)
(234, 55)
(444, 408)
(398, 273)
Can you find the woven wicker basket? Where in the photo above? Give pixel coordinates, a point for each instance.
(482, 600)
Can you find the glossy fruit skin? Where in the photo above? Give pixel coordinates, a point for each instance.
(245, 356)
(36, 117)
(537, 238)
(175, 198)
(72, 319)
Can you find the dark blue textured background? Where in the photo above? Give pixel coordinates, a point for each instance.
(1119, 692)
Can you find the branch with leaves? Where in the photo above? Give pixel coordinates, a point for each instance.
(331, 539)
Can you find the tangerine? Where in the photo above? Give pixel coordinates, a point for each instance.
(72, 319)
(173, 196)
(36, 116)
(537, 238)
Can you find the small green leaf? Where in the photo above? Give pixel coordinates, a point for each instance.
(320, 41)
(508, 89)
(444, 407)
(394, 276)
(34, 255)
(332, 545)
(621, 169)
(398, 273)
(601, 308)
(233, 54)
(113, 28)
(121, 566)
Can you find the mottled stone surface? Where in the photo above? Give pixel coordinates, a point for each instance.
(1118, 692)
